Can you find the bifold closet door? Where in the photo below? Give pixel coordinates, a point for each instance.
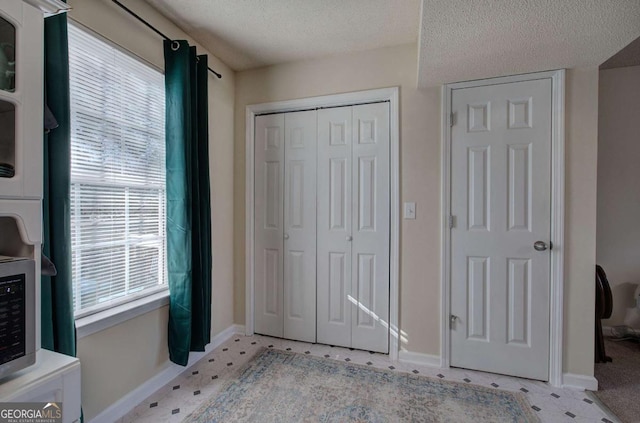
(269, 217)
(353, 226)
(371, 220)
(300, 226)
(334, 226)
(285, 225)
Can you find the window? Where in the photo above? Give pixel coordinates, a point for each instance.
(118, 240)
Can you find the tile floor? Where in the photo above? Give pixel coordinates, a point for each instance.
(184, 394)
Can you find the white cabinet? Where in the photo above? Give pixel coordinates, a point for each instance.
(21, 132)
(54, 377)
(322, 226)
(21, 100)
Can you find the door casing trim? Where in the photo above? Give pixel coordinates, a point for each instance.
(557, 214)
(392, 95)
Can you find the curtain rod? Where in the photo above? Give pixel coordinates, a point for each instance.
(153, 28)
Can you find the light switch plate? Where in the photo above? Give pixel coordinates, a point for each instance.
(409, 210)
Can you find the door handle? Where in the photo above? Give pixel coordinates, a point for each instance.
(349, 238)
(286, 236)
(453, 320)
(540, 246)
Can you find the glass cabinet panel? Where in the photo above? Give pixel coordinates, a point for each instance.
(7, 139)
(7, 55)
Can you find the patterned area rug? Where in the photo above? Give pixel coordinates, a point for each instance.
(279, 386)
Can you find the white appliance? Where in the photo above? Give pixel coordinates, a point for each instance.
(17, 314)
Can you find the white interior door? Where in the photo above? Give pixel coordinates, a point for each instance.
(334, 226)
(500, 200)
(353, 227)
(268, 254)
(300, 226)
(370, 228)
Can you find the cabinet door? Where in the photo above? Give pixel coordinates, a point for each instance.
(300, 226)
(268, 215)
(334, 226)
(21, 107)
(370, 223)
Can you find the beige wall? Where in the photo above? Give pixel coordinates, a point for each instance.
(141, 341)
(117, 360)
(618, 175)
(420, 158)
(420, 182)
(581, 151)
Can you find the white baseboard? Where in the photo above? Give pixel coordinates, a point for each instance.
(419, 359)
(120, 408)
(582, 382)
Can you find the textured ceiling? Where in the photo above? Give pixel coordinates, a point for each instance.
(459, 39)
(464, 40)
(252, 33)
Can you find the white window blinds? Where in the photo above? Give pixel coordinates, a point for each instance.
(118, 240)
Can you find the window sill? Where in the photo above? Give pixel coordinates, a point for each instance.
(91, 324)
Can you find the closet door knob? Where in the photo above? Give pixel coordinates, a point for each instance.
(349, 238)
(540, 246)
(286, 236)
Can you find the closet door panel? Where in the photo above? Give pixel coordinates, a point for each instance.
(370, 220)
(269, 216)
(300, 226)
(334, 226)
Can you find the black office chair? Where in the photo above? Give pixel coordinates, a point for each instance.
(604, 307)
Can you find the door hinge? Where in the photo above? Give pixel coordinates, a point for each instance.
(452, 118)
(452, 222)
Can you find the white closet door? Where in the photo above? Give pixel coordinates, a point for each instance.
(269, 180)
(300, 226)
(334, 226)
(370, 245)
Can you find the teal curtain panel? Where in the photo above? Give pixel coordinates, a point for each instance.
(58, 325)
(188, 200)
(201, 327)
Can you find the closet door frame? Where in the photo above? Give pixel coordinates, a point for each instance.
(348, 99)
